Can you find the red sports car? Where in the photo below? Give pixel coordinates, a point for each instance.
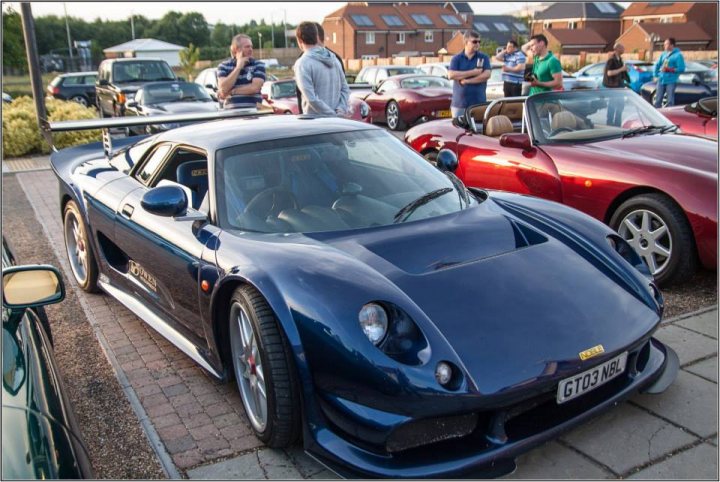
(605, 152)
(281, 96)
(699, 118)
(402, 100)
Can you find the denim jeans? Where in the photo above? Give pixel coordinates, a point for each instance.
(661, 89)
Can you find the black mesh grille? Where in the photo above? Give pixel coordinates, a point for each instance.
(431, 430)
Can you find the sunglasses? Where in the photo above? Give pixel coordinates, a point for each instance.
(475, 41)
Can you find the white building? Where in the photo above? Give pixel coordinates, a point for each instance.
(147, 47)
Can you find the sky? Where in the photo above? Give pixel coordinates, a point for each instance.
(226, 12)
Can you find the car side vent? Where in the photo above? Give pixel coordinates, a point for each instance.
(525, 235)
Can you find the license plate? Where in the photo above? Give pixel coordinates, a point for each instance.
(443, 113)
(588, 380)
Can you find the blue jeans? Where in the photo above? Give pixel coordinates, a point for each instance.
(661, 89)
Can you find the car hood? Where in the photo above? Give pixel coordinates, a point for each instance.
(182, 107)
(675, 151)
(515, 302)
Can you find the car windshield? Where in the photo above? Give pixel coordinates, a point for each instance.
(173, 92)
(141, 71)
(588, 116)
(424, 82)
(281, 90)
(403, 70)
(331, 182)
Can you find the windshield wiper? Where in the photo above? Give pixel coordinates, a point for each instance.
(648, 130)
(408, 209)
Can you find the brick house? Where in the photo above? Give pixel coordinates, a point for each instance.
(649, 37)
(590, 20)
(573, 41)
(389, 29)
(702, 16)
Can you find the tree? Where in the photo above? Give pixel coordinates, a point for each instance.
(221, 35)
(188, 59)
(13, 41)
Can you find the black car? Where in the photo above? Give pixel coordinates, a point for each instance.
(170, 97)
(119, 79)
(697, 82)
(40, 436)
(75, 86)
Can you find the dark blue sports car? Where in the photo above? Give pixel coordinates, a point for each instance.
(401, 324)
(697, 82)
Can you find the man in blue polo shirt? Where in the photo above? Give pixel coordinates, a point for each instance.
(241, 77)
(469, 70)
(513, 68)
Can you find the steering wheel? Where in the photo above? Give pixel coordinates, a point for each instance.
(271, 202)
(558, 130)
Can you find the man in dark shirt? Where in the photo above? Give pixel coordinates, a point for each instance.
(321, 42)
(614, 77)
(241, 77)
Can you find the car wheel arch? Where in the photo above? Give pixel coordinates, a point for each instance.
(630, 193)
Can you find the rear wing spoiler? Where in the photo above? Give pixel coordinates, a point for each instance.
(108, 123)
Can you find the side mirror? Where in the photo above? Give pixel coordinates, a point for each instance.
(165, 201)
(447, 160)
(31, 286)
(103, 82)
(516, 141)
(131, 103)
(374, 88)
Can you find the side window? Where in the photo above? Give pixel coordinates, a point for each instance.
(89, 80)
(361, 76)
(72, 80)
(595, 70)
(439, 71)
(387, 86)
(381, 75)
(151, 164)
(188, 168)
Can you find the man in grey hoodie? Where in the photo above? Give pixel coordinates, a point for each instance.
(319, 76)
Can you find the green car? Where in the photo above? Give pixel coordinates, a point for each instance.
(40, 437)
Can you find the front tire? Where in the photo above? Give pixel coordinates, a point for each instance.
(657, 229)
(392, 116)
(664, 99)
(431, 157)
(263, 369)
(77, 245)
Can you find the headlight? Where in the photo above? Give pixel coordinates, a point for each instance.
(364, 110)
(374, 322)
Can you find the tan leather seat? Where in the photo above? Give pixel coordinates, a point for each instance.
(498, 125)
(564, 119)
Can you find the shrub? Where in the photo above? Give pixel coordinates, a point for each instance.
(22, 136)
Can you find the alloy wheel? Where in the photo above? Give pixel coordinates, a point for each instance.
(76, 248)
(649, 235)
(392, 115)
(249, 368)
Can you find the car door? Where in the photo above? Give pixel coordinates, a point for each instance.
(486, 164)
(165, 255)
(89, 87)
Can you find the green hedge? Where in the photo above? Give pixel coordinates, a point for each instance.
(21, 135)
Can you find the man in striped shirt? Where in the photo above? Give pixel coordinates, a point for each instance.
(241, 77)
(513, 68)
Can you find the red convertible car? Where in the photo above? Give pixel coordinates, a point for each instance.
(698, 118)
(281, 97)
(402, 100)
(605, 152)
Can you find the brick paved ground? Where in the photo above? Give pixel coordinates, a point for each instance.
(201, 430)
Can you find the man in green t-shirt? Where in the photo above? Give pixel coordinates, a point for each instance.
(546, 69)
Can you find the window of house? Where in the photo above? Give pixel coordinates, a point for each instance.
(521, 27)
(501, 27)
(428, 36)
(481, 27)
(401, 38)
(604, 7)
(369, 37)
(572, 25)
(450, 19)
(665, 20)
(421, 19)
(636, 21)
(334, 37)
(392, 20)
(362, 20)
(546, 25)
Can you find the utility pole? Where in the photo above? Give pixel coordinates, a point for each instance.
(132, 25)
(67, 29)
(272, 32)
(285, 26)
(34, 66)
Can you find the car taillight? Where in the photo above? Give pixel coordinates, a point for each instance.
(54, 90)
(121, 98)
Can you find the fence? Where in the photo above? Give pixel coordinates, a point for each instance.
(569, 62)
